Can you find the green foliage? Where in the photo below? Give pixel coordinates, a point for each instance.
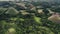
(56, 9)
(30, 24)
(2, 10)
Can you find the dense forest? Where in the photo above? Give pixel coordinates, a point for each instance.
(29, 18)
